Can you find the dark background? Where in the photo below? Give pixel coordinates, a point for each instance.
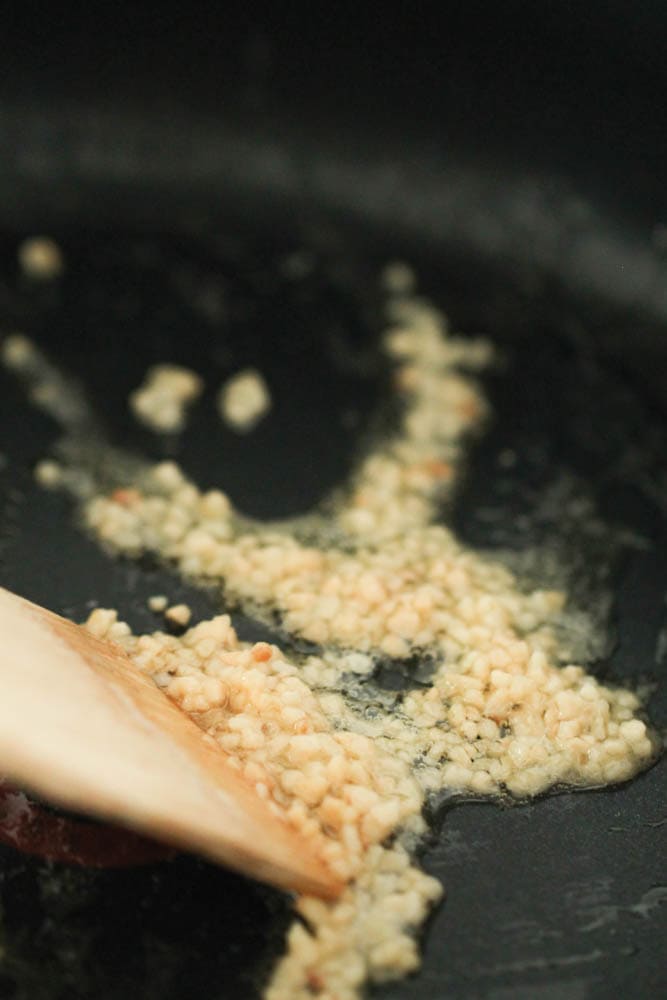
(515, 153)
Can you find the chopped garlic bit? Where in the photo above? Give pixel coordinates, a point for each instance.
(161, 400)
(244, 400)
(312, 733)
(48, 474)
(41, 258)
(398, 278)
(158, 602)
(178, 614)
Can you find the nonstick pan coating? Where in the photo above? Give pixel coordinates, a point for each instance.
(561, 894)
(178, 229)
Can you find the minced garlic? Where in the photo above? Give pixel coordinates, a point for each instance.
(178, 614)
(161, 400)
(398, 278)
(158, 602)
(48, 474)
(502, 712)
(17, 352)
(244, 400)
(41, 258)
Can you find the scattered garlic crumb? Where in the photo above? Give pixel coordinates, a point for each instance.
(161, 400)
(500, 713)
(41, 258)
(48, 474)
(398, 278)
(17, 352)
(178, 614)
(47, 388)
(244, 400)
(158, 602)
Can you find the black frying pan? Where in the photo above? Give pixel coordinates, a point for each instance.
(513, 159)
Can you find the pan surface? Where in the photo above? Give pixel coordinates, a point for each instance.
(191, 236)
(562, 894)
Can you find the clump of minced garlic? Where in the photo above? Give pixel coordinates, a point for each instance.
(162, 399)
(503, 712)
(243, 400)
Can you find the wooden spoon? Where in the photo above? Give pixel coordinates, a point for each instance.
(80, 725)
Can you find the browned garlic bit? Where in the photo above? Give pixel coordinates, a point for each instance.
(244, 400)
(161, 400)
(503, 711)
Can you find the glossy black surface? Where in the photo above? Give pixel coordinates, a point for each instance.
(516, 157)
(558, 896)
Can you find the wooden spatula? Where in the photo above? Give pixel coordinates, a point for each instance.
(81, 726)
